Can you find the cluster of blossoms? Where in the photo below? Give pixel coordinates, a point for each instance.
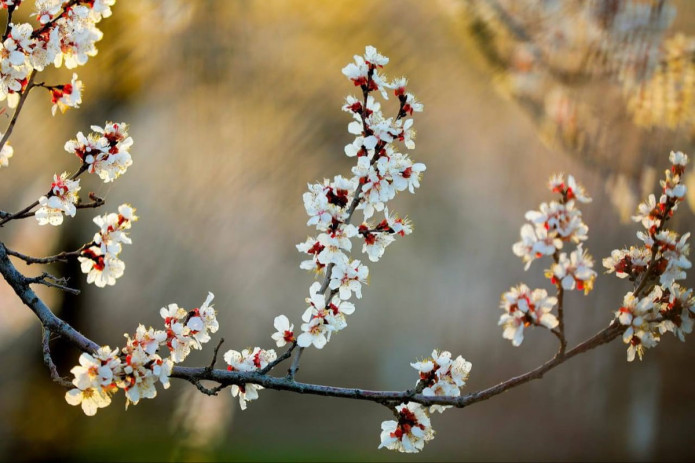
(409, 432)
(323, 318)
(137, 367)
(100, 259)
(245, 361)
(442, 376)
(524, 308)
(380, 172)
(62, 200)
(66, 34)
(658, 304)
(105, 151)
(439, 376)
(551, 227)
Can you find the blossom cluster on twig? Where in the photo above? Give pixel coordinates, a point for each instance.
(380, 172)
(137, 367)
(66, 34)
(551, 228)
(657, 304)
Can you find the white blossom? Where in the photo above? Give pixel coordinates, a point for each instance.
(284, 333)
(522, 308)
(61, 200)
(411, 430)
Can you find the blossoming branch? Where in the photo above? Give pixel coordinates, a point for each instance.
(66, 33)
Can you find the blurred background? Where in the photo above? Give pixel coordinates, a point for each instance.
(235, 105)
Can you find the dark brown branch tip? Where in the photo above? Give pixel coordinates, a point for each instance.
(204, 390)
(214, 356)
(96, 198)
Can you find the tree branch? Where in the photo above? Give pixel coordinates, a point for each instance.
(61, 257)
(226, 378)
(392, 397)
(295, 364)
(48, 319)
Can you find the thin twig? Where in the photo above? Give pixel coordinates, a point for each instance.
(47, 279)
(559, 331)
(559, 337)
(561, 317)
(214, 355)
(278, 360)
(48, 360)
(214, 391)
(61, 257)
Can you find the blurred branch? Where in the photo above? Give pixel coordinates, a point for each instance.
(520, 34)
(20, 104)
